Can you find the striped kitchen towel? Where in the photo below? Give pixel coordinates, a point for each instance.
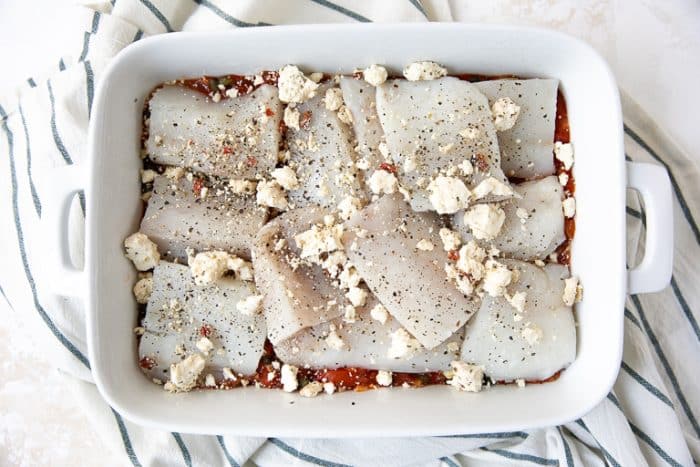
(648, 418)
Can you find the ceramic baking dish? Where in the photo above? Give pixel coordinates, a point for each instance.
(111, 182)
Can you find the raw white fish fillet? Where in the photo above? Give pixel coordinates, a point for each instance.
(361, 98)
(411, 283)
(526, 149)
(422, 120)
(236, 138)
(297, 294)
(176, 219)
(322, 154)
(177, 311)
(541, 232)
(495, 338)
(366, 345)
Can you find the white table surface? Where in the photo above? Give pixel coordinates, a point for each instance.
(653, 48)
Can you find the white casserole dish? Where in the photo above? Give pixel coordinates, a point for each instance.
(113, 193)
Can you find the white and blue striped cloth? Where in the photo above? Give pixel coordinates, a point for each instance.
(650, 417)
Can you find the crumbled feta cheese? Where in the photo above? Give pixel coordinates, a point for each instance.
(334, 341)
(453, 346)
(522, 214)
(210, 381)
(143, 289)
(328, 388)
(319, 239)
(466, 167)
(403, 344)
(471, 258)
(565, 153)
(466, 377)
(532, 334)
(375, 75)
(311, 390)
(517, 300)
(232, 92)
(383, 181)
(349, 277)
(448, 195)
(520, 382)
(250, 305)
(291, 118)
(423, 71)
(139, 330)
(209, 266)
(470, 133)
(485, 220)
(216, 97)
(357, 296)
(344, 115)
(271, 194)
(573, 291)
(563, 179)
(141, 251)
(383, 150)
(294, 86)
(463, 283)
(316, 76)
(288, 378)
(228, 374)
(539, 263)
(425, 245)
(174, 173)
(333, 98)
(147, 176)
(379, 313)
(362, 164)
(493, 186)
(350, 314)
(496, 278)
(184, 374)
(569, 206)
(505, 113)
(241, 187)
(348, 206)
(450, 239)
(384, 378)
(286, 177)
(205, 345)
(409, 165)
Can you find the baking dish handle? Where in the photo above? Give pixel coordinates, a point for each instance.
(653, 184)
(65, 182)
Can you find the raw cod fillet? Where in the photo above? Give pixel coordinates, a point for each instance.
(411, 283)
(497, 340)
(235, 138)
(176, 219)
(177, 311)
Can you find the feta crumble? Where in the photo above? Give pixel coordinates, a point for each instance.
(143, 289)
(505, 113)
(448, 195)
(403, 344)
(285, 177)
(357, 296)
(493, 186)
(466, 377)
(147, 176)
(485, 220)
(517, 300)
(333, 98)
(384, 378)
(573, 291)
(311, 390)
(425, 245)
(319, 239)
(569, 206)
(409, 165)
(288, 378)
(241, 186)
(379, 313)
(209, 266)
(334, 341)
(563, 179)
(291, 118)
(470, 262)
(423, 71)
(375, 75)
(344, 115)
(496, 278)
(329, 388)
(141, 251)
(184, 374)
(450, 239)
(348, 206)
(294, 86)
(250, 305)
(204, 345)
(532, 334)
(383, 181)
(565, 153)
(271, 194)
